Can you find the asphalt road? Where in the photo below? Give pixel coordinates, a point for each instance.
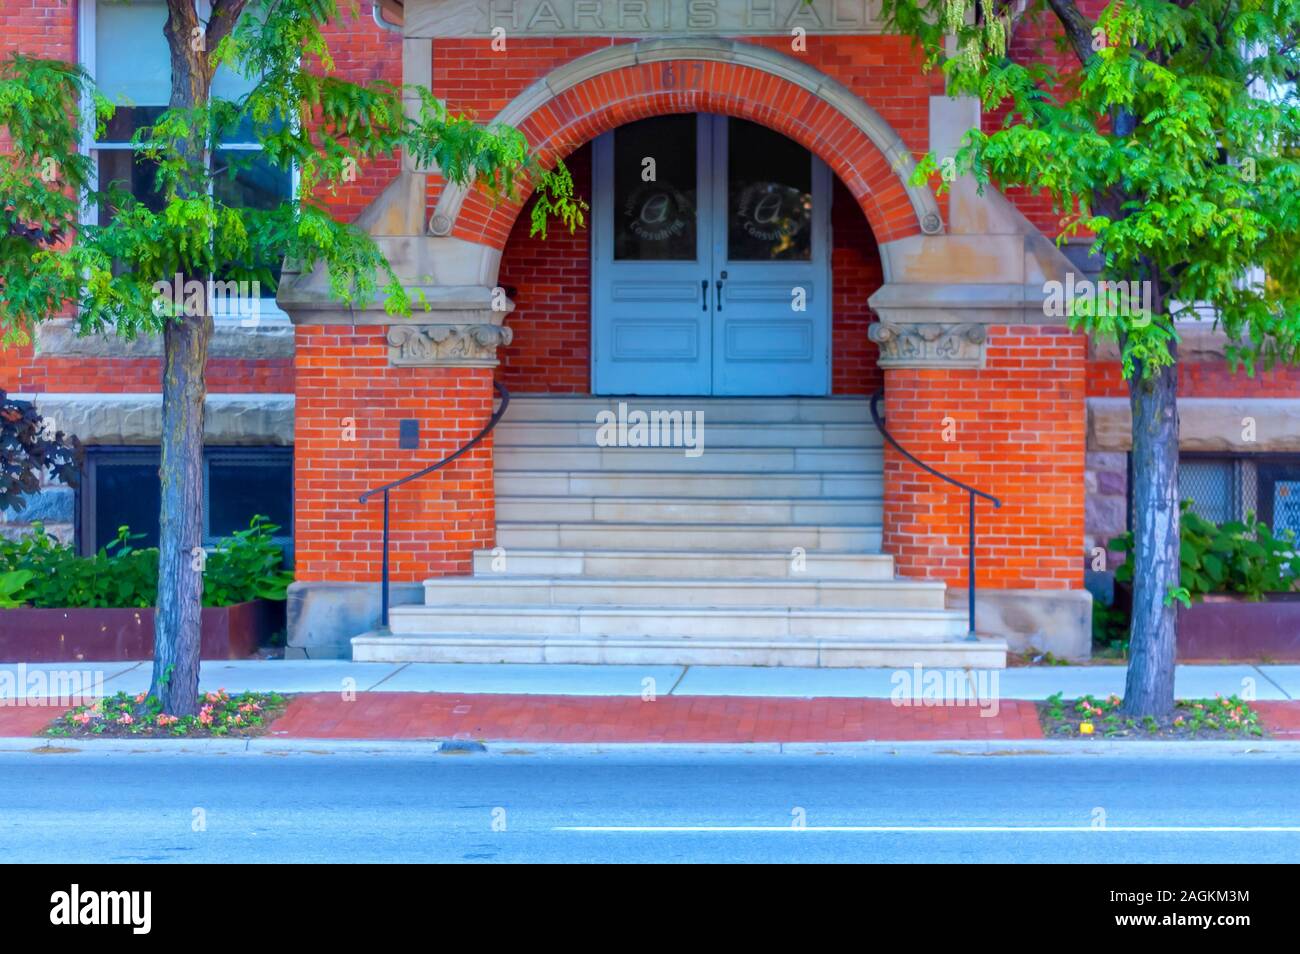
(520, 805)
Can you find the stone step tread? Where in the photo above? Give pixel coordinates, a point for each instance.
(756, 582)
(687, 554)
(849, 652)
(749, 435)
(721, 451)
(540, 473)
(670, 609)
(583, 408)
(693, 501)
(631, 525)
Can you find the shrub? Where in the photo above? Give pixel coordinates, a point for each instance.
(28, 450)
(1242, 557)
(246, 566)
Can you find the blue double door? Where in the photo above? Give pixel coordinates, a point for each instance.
(711, 260)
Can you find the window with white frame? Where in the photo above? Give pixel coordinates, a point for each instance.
(124, 49)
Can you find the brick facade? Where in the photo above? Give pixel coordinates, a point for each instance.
(350, 402)
(1019, 423)
(1014, 429)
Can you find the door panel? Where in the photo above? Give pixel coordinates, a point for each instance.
(711, 278)
(651, 332)
(770, 228)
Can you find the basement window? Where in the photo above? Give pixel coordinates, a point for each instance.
(1228, 487)
(120, 487)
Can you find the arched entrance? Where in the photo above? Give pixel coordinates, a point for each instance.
(710, 260)
(611, 87)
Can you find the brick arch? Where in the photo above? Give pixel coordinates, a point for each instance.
(618, 85)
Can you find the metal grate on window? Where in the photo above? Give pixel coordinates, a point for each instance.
(1220, 489)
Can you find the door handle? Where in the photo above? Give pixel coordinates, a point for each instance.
(704, 294)
(719, 287)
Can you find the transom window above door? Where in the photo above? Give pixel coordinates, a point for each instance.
(711, 255)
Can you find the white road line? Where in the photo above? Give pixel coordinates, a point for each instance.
(928, 829)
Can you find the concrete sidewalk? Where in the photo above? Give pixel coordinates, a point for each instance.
(1263, 682)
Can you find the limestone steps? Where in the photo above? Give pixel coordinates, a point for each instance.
(670, 564)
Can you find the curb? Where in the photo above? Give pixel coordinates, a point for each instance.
(422, 747)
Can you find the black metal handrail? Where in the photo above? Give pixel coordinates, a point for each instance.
(973, 492)
(386, 488)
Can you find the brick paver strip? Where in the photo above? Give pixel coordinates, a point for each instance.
(532, 718)
(28, 719)
(1281, 720)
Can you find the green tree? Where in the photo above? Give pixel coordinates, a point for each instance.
(1171, 139)
(115, 276)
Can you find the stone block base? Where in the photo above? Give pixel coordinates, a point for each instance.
(1055, 621)
(324, 616)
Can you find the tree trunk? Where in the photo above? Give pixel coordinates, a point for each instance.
(184, 387)
(1149, 689)
(180, 565)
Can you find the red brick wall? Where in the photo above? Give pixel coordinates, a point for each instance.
(551, 351)
(1019, 435)
(20, 370)
(856, 273)
(38, 28)
(1035, 41)
(437, 522)
(364, 53)
(1212, 378)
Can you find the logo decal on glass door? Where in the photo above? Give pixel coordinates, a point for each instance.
(769, 211)
(658, 213)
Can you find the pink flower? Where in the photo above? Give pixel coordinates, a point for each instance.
(140, 698)
(81, 718)
(164, 719)
(205, 715)
(125, 719)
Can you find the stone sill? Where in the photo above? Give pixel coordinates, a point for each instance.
(271, 337)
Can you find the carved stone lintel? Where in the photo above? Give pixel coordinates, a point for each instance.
(929, 345)
(446, 346)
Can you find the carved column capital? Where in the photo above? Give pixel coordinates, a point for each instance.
(924, 344)
(447, 345)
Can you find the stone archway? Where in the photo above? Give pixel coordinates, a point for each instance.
(602, 90)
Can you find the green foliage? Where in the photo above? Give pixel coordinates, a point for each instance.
(1219, 717)
(304, 117)
(1174, 143)
(1242, 557)
(1110, 631)
(29, 451)
(220, 714)
(119, 575)
(244, 567)
(11, 584)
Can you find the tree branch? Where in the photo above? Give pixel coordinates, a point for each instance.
(1078, 28)
(225, 14)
